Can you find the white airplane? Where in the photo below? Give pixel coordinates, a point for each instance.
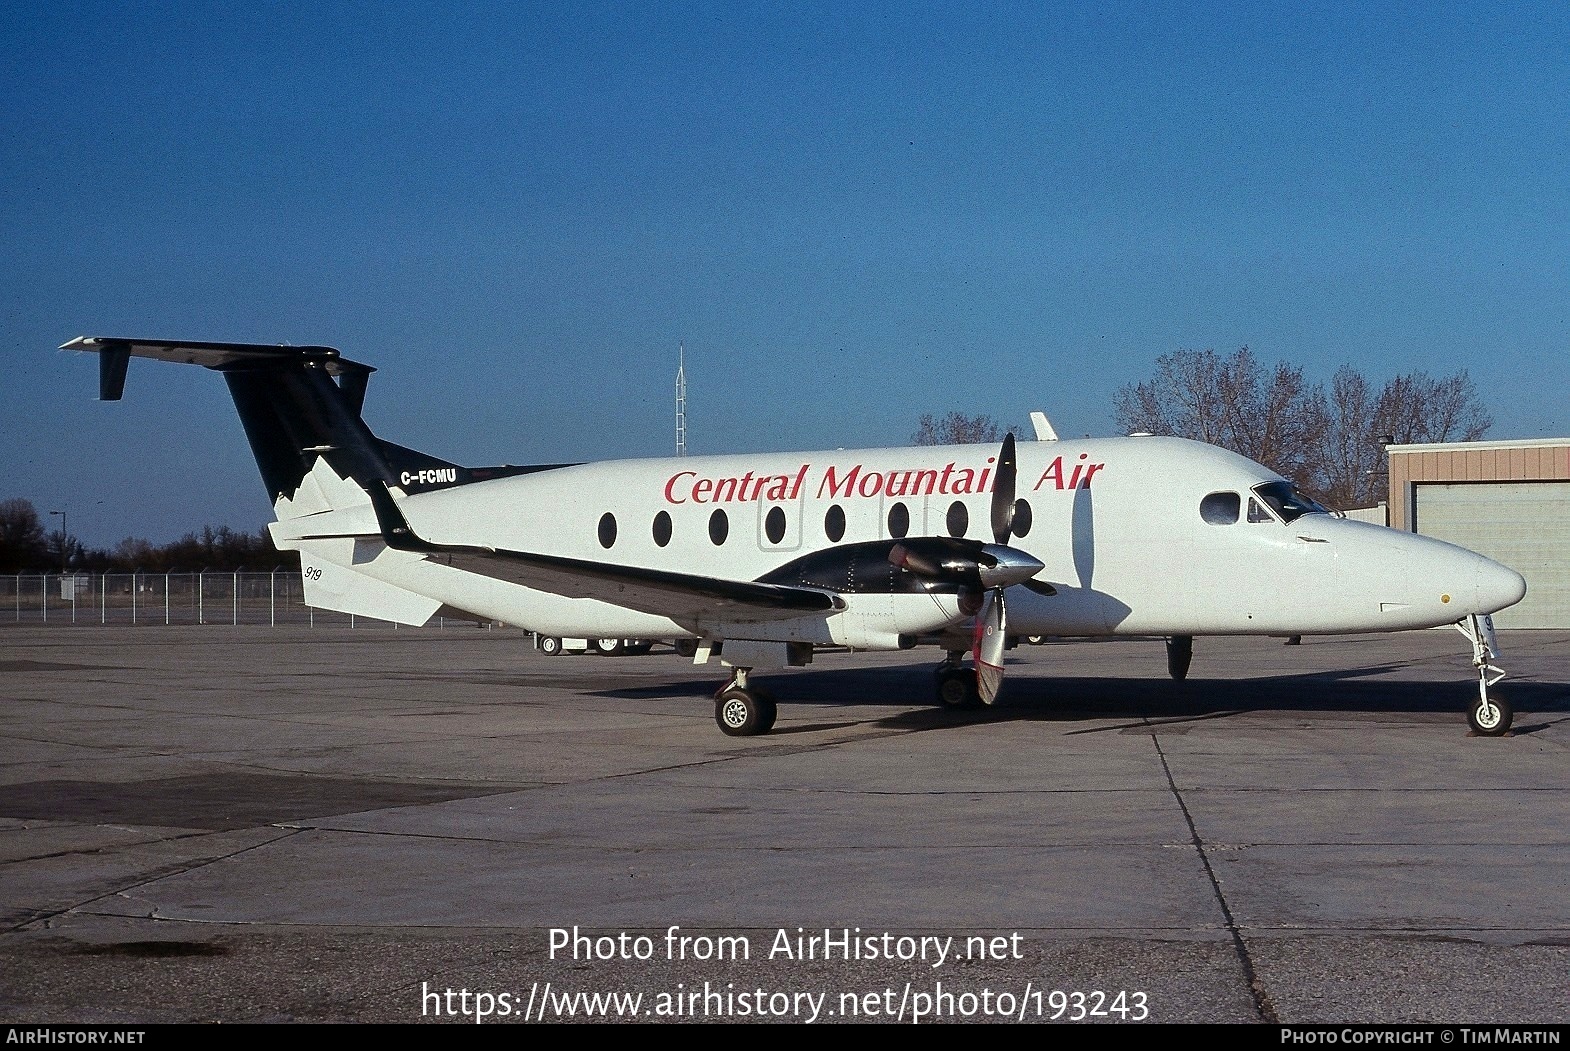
(762, 558)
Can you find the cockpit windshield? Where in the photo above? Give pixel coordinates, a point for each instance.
(1287, 502)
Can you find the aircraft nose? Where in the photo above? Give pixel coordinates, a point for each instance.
(1498, 586)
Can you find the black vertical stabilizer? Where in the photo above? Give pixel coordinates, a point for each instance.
(294, 413)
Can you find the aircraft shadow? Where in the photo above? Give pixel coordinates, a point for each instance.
(1068, 699)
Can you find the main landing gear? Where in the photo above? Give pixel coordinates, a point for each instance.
(1489, 715)
(742, 710)
(956, 683)
(1180, 654)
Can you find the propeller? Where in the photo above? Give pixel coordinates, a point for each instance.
(1003, 493)
(989, 645)
(992, 623)
(982, 572)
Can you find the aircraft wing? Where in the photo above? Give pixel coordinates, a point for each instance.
(659, 592)
(677, 595)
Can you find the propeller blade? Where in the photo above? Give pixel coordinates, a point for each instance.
(1003, 492)
(988, 652)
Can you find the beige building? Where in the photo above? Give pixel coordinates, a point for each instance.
(1507, 500)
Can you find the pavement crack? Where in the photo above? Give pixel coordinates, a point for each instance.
(1256, 986)
(129, 890)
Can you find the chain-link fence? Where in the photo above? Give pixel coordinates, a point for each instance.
(209, 597)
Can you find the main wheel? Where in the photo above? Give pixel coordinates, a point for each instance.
(741, 713)
(957, 688)
(686, 647)
(769, 709)
(550, 645)
(637, 649)
(1490, 717)
(1180, 654)
(608, 647)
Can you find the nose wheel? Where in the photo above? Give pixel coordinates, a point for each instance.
(1489, 715)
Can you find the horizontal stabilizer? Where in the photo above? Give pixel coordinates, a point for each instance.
(115, 353)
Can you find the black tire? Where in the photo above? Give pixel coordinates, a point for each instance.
(1035, 640)
(769, 710)
(686, 647)
(1180, 654)
(609, 647)
(741, 713)
(1490, 719)
(637, 649)
(550, 645)
(957, 689)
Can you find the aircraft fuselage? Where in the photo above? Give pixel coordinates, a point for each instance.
(1122, 527)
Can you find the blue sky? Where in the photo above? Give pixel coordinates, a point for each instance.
(851, 214)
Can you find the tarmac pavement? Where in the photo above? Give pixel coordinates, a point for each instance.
(290, 824)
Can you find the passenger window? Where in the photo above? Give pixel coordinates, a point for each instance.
(774, 525)
(899, 521)
(1022, 518)
(662, 528)
(834, 523)
(607, 530)
(1221, 508)
(958, 519)
(719, 526)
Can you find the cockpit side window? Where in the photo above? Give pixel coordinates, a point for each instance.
(1220, 508)
(1287, 501)
(1257, 513)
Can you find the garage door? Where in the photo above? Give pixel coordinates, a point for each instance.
(1525, 525)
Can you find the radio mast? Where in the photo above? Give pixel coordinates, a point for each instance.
(681, 399)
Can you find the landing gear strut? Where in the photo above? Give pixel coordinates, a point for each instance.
(742, 710)
(1180, 653)
(1489, 716)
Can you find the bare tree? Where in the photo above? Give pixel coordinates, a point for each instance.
(1408, 409)
(1328, 443)
(957, 429)
(1418, 408)
(61, 549)
(26, 547)
(22, 542)
(1273, 416)
(1351, 461)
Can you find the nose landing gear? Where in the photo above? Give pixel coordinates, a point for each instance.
(1489, 715)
